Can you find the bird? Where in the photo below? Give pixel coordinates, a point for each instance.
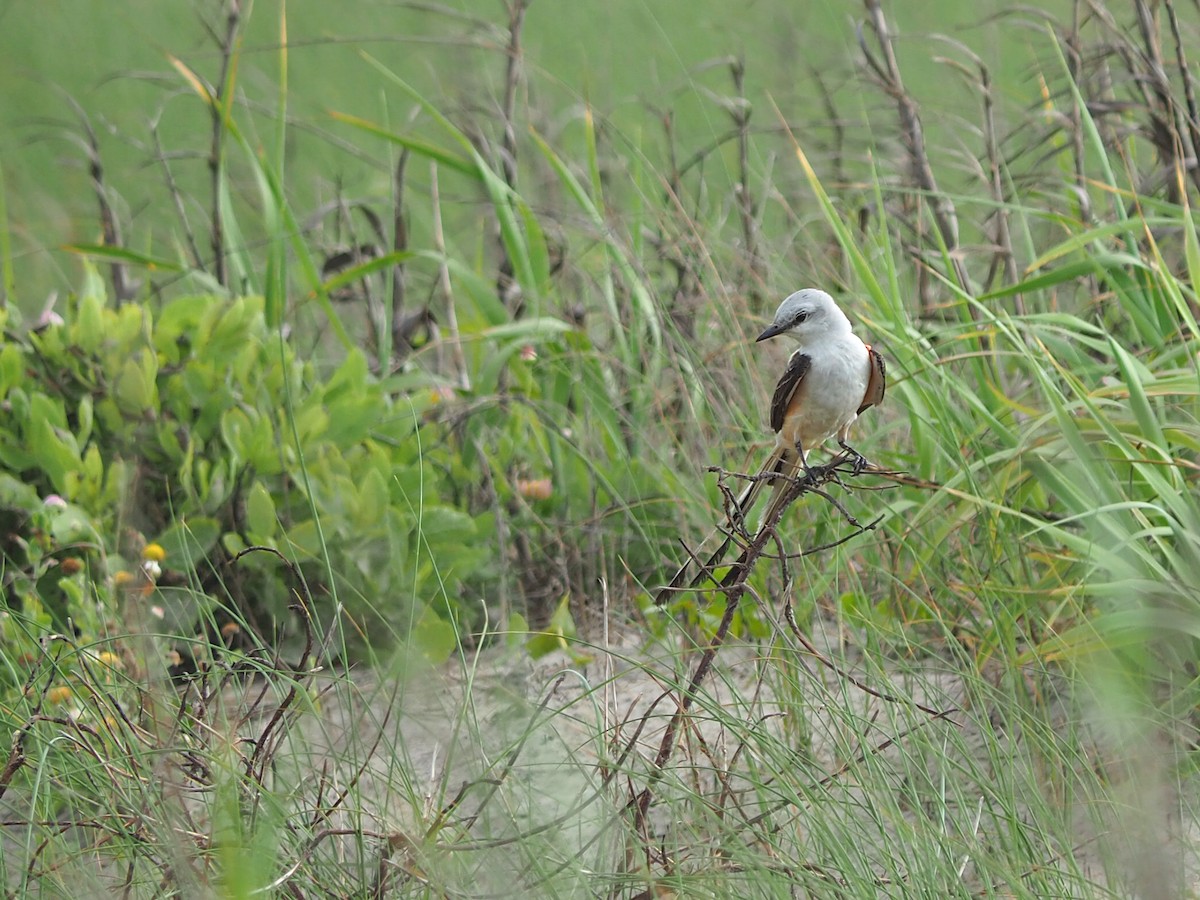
(830, 380)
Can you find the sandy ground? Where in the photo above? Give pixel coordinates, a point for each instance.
(496, 774)
(504, 746)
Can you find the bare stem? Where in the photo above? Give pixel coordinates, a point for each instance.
(216, 147)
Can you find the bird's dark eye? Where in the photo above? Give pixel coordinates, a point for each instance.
(800, 317)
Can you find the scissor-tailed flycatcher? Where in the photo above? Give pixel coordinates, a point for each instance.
(829, 381)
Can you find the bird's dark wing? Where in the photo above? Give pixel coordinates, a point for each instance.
(877, 383)
(785, 390)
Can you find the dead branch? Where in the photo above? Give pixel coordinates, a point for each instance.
(506, 287)
(176, 197)
(733, 585)
(123, 288)
(400, 336)
(216, 152)
(887, 72)
(740, 110)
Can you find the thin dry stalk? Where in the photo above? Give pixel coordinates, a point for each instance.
(888, 74)
(1190, 113)
(1169, 130)
(1074, 69)
(399, 270)
(1005, 254)
(439, 244)
(123, 288)
(836, 124)
(506, 288)
(733, 585)
(279, 723)
(740, 111)
(176, 198)
(216, 152)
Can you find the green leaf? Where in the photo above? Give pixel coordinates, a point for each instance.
(558, 632)
(122, 255)
(55, 451)
(84, 415)
(188, 541)
(136, 391)
(70, 524)
(516, 631)
(443, 524)
(87, 331)
(12, 368)
(434, 637)
(373, 499)
(305, 538)
(440, 155)
(260, 511)
(237, 432)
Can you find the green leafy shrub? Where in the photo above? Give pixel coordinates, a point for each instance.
(198, 429)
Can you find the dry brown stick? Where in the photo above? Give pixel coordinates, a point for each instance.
(1004, 255)
(279, 723)
(606, 780)
(733, 585)
(110, 227)
(835, 123)
(740, 111)
(505, 288)
(888, 72)
(399, 270)
(1074, 55)
(323, 811)
(444, 284)
(16, 756)
(176, 197)
(828, 663)
(1189, 114)
(512, 78)
(1003, 236)
(1176, 146)
(849, 764)
(508, 764)
(216, 150)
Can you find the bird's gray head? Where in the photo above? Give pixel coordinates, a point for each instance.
(807, 314)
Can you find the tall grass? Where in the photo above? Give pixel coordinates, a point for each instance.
(999, 693)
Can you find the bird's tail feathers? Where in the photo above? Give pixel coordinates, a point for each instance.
(790, 468)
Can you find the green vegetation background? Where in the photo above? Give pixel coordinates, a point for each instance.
(628, 58)
(540, 456)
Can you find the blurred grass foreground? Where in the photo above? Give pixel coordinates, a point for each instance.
(385, 336)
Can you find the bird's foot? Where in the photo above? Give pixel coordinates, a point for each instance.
(857, 460)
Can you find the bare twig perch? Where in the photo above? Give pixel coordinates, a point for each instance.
(733, 585)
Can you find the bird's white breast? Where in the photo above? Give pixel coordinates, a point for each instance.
(833, 390)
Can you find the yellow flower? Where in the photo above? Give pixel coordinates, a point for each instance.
(535, 488)
(154, 553)
(123, 579)
(58, 694)
(442, 394)
(110, 659)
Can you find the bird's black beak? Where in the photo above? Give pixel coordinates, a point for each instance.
(770, 332)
